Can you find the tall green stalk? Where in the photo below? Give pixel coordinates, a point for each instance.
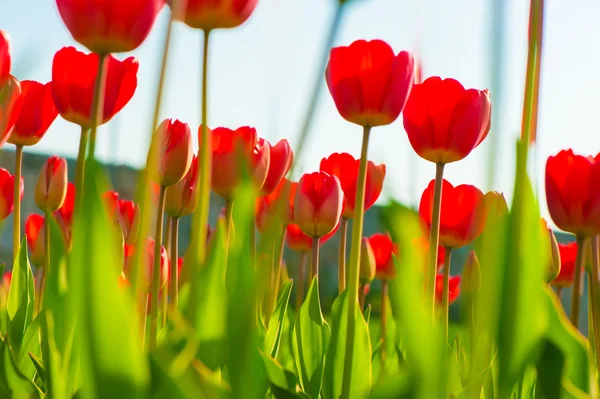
(80, 167)
(446, 292)
(17, 202)
(577, 283)
(434, 236)
(156, 269)
(98, 101)
(594, 291)
(174, 283)
(342, 255)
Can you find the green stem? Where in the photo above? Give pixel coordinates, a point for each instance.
(47, 261)
(434, 235)
(229, 227)
(80, 168)
(165, 307)
(174, 288)
(577, 284)
(446, 292)
(301, 279)
(342, 255)
(156, 268)
(98, 101)
(354, 266)
(384, 295)
(314, 260)
(276, 270)
(17, 199)
(595, 293)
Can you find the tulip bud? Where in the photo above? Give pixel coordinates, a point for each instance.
(367, 262)
(6, 279)
(147, 278)
(471, 279)
(281, 157)
(34, 230)
(496, 203)
(129, 216)
(554, 261)
(318, 203)
(175, 140)
(51, 187)
(182, 197)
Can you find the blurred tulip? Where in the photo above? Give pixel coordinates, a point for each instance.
(267, 206)
(64, 215)
(368, 264)
(568, 256)
(368, 83)
(553, 252)
(175, 144)
(280, 162)
(51, 186)
(129, 215)
(111, 200)
(318, 203)
(444, 121)
(34, 231)
(345, 167)
(182, 197)
(232, 152)
(215, 14)
(36, 113)
(573, 193)
(383, 249)
(6, 277)
(5, 55)
(109, 26)
(73, 79)
(7, 193)
(462, 216)
(495, 203)
(453, 288)
(130, 250)
(10, 106)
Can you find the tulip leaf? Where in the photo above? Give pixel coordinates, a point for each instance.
(310, 339)
(107, 336)
(20, 303)
(13, 384)
(389, 364)
(284, 384)
(336, 356)
(30, 346)
(273, 337)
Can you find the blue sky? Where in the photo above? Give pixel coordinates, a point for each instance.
(261, 75)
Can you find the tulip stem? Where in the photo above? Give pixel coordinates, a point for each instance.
(384, 295)
(39, 276)
(174, 288)
(17, 202)
(80, 168)
(301, 280)
(354, 266)
(276, 273)
(446, 292)
(98, 101)
(156, 267)
(47, 216)
(314, 261)
(342, 255)
(594, 291)
(434, 235)
(577, 283)
(228, 227)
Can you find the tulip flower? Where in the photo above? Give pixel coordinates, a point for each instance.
(175, 140)
(10, 106)
(368, 262)
(296, 240)
(182, 197)
(64, 214)
(280, 162)
(368, 82)
(37, 112)
(34, 231)
(51, 186)
(7, 198)
(273, 208)
(216, 14)
(6, 279)
(232, 151)
(383, 249)
(130, 250)
(73, 77)
(109, 26)
(318, 203)
(5, 55)
(444, 121)
(568, 257)
(453, 289)
(129, 215)
(111, 200)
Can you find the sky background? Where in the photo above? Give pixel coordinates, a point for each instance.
(261, 75)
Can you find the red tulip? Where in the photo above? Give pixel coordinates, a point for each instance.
(280, 162)
(6, 277)
(147, 278)
(573, 193)
(179, 266)
(266, 206)
(7, 193)
(111, 200)
(444, 121)
(64, 215)
(383, 249)
(182, 197)
(453, 288)
(214, 14)
(109, 26)
(51, 186)
(36, 113)
(34, 230)
(462, 213)
(5, 56)
(368, 83)
(73, 79)
(345, 167)
(129, 215)
(297, 241)
(318, 203)
(568, 256)
(232, 151)
(10, 106)
(175, 140)
(368, 263)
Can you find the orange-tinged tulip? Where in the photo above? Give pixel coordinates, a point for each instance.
(568, 256)
(462, 216)
(573, 192)
(51, 186)
(5, 55)
(36, 113)
(383, 249)
(273, 208)
(234, 152)
(129, 215)
(73, 79)
(34, 231)
(453, 288)
(109, 26)
(444, 121)
(368, 82)
(345, 167)
(147, 277)
(175, 140)
(10, 106)
(318, 203)
(215, 14)
(7, 193)
(280, 162)
(182, 197)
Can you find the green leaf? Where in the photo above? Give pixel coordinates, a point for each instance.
(39, 365)
(107, 334)
(549, 372)
(454, 382)
(368, 314)
(336, 356)
(310, 339)
(13, 384)
(19, 306)
(31, 345)
(273, 338)
(390, 365)
(284, 383)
